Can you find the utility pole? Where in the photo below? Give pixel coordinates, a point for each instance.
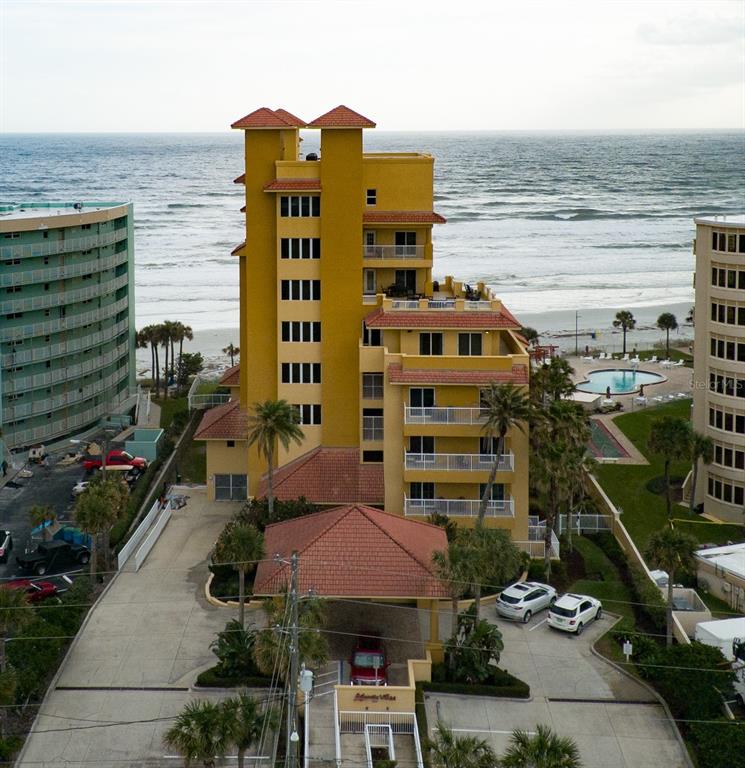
(291, 755)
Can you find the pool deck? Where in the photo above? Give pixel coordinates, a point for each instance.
(676, 380)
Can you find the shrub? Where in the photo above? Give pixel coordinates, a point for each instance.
(234, 648)
(499, 684)
(719, 742)
(212, 678)
(256, 511)
(473, 650)
(34, 655)
(648, 599)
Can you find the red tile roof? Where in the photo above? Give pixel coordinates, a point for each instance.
(263, 117)
(282, 185)
(399, 375)
(402, 217)
(354, 551)
(342, 117)
(240, 179)
(329, 476)
(238, 248)
(440, 318)
(231, 377)
(288, 117)
(225, 422)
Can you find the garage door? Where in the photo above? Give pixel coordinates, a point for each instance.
(230, 487)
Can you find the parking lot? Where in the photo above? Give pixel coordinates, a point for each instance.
(49, 486)
(615, 721)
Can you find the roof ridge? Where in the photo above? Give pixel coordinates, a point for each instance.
(365, 507)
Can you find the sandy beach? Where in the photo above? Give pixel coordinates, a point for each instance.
(554, 328)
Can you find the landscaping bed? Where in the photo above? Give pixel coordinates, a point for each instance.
(501, 684)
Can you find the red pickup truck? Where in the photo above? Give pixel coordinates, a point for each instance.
(116, 457)
(369, 664)
(36, 591)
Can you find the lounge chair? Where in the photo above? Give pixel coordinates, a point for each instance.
(640, 400)
(653, 359)
(635, 360)
(667, 363)
(678, 364)
(659, 399)
(683, 395)
(590, 358)
(625, 358)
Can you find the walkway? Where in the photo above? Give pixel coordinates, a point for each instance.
(131, 669)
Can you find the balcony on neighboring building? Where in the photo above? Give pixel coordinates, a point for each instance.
(444, 415)
(458, 462)
(458, 507)
(394, 252)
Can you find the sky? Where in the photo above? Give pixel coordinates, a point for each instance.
(409, 65)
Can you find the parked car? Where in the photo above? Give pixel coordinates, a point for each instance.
(53, 555)
(114, 457)
(6, 544)
(524, 599)
(79, 487)
(572, 613)
(36, 591)
(369, 664)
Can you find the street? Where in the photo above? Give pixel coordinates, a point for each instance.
(50, 486)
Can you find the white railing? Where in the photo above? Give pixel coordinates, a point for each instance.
(400, 724)
(153, 536)
(444, 415)
(137, 536)
(64, 324)
(60, 349)
(405, 304)
(203, 401)
(537, 533)
(63, 298)
(30, 276)
(51, 247)
(68, 373)
(372, 428)
(583, 523)
(458, 462)
(479, 306)
(369, 298)
(458, 507)
(393, 251)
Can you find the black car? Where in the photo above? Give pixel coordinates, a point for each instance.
(6, 544)
(53, 555)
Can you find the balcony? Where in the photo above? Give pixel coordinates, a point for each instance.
(393, 252)
(458, 462)
(457, 507)
(452, 305)
(444, 415)
(52, 247)
(63, 298)
(49, 274)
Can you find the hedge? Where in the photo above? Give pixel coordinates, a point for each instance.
(212, 678)
(504, 685)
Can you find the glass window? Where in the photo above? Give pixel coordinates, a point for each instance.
(430, 343)
(372, 196)
(469, 344)
(372, 386)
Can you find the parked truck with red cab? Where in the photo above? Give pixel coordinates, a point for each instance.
(115, 457)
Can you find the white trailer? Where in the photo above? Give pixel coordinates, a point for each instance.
(729, 636)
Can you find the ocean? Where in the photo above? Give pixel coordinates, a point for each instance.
(552, 222)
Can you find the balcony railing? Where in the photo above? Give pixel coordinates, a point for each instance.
(409, 305)
(372, 428)
(458, 507)
(392, 251)
(52, 247)
(444, 415)
(47, 275)
(63, 298)
(458, 462)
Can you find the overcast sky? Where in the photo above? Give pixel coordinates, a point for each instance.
(499, 65)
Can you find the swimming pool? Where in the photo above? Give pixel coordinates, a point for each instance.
(621, 382)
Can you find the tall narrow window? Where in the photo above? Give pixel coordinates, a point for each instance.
(469, 343)
(372, 197)
(430, 343)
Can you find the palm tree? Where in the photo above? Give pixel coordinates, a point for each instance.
(672, 551)
(626, 322)
(116, 491)
(670, 437)
(95, 513)
(240, 545)
(667, 322)
(247, 722)
(530, 335)
(185, 332)
(505, 406)
(200, 732)
(167, 329)
(271, 651)
(691, 316)
(447, 750)
(40, 515)
(544, 749)
(454, 567)
(702, 449)
(272, 421)
(552, 381)
(232, 351)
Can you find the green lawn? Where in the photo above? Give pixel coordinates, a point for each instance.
(602, 580)
(193, 463)
(169, 408)
(644, 512)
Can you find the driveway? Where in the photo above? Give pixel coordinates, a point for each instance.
(132, 667)
(615, 721)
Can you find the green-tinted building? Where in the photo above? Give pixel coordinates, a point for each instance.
(67, 332)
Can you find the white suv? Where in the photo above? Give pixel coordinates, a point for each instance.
(571, 613)
(520, 601)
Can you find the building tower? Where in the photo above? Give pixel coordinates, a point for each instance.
(67, 309)
(340, 316)
(719, 362)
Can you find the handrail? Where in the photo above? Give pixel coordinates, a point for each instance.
(53, 247)
(443, 415)
(458, 507)
(48, 274)
(455, 462)
(393, 252)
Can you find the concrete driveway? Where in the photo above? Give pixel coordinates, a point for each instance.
(615, 722)
(132, 667)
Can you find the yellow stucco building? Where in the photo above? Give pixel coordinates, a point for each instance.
(340, 315)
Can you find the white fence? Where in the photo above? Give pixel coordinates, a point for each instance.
(152, 537)
(137, 536)
(586, 523)
(400, 724)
